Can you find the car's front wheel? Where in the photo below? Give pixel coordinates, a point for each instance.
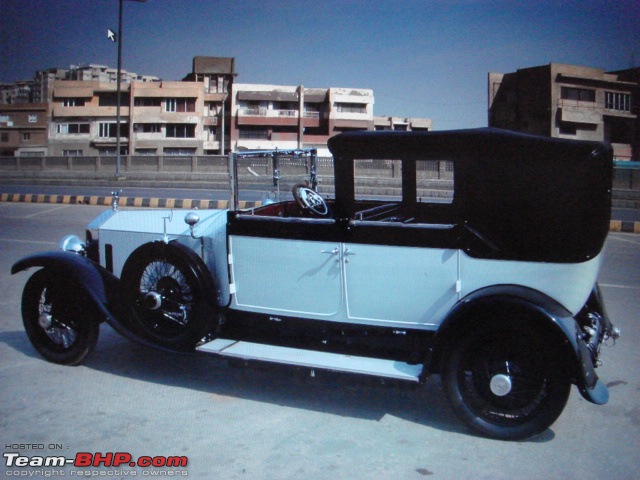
(505, 384)
(54, 319)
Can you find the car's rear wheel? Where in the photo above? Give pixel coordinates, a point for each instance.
(505, 384)
(163, 285)
(54, 320)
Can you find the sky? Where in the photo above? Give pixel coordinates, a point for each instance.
(427, 59)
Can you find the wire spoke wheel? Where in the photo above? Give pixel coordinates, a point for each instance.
(53, 320)
(170, 284)
(505, 385)
(166, 293)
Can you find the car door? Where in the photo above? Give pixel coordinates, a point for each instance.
(285, 266)
(392, 278)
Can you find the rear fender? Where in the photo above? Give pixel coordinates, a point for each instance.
(484, 306)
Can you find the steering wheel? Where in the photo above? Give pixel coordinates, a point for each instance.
(310, 200)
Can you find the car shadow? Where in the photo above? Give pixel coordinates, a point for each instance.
(334, 393)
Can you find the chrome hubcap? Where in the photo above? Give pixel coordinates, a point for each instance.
(44, 320)
(500, 385)
(153, 300)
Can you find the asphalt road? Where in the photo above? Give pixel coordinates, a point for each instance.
(275, 423)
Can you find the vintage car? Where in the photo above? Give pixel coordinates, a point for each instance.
(471, 254)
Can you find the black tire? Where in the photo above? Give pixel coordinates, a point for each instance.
(529, 389)
(178, 279)
(55, 322)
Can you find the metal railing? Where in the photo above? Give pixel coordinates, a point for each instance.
(626, 173)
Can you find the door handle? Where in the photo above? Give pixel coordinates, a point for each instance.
(335, 251)
(346, 253)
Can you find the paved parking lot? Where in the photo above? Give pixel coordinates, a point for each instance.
(277, 423)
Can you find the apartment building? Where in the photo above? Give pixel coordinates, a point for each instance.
(270, 116)
(401, 124)
(206, 113)
(569, 101)
(23, 129)
(157, 117)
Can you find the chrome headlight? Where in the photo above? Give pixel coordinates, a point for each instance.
(72, 243)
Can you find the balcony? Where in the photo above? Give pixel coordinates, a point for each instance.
(577, 111)
(88, 111)
(265, 116)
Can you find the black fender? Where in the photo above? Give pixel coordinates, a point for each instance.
(99, 286)
(542, 312)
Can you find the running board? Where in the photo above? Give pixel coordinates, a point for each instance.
(313, 359)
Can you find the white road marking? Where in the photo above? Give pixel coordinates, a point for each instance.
(45, 211)
(20, 240)
(626, 287)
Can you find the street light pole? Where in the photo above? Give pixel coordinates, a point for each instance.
(118, 83)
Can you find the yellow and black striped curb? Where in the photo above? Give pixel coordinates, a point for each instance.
(186, 203)
(97, 200)
(620, 226)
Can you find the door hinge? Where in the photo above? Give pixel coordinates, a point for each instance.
(232, 288)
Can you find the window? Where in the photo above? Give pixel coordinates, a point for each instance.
(211, 134)
(26, 136)
(5, 118)
(181, 130)
(146, 151)
(434, 181)
(578, 94)
(285, 106)
(210, 109)
(179, 151)
(33, 118)
(248, 133)
(387, 172)
(110, 99)
(148, 127)
(180, 105)
(351, 107)
(4, 137)
(71, 153)
(147, 102)
(73, 102)
(72, 128)
(618, 101)
(108, 130)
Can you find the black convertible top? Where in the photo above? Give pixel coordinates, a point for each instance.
(528, 197)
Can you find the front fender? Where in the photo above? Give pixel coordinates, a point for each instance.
(100, 286)
(556, 320)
